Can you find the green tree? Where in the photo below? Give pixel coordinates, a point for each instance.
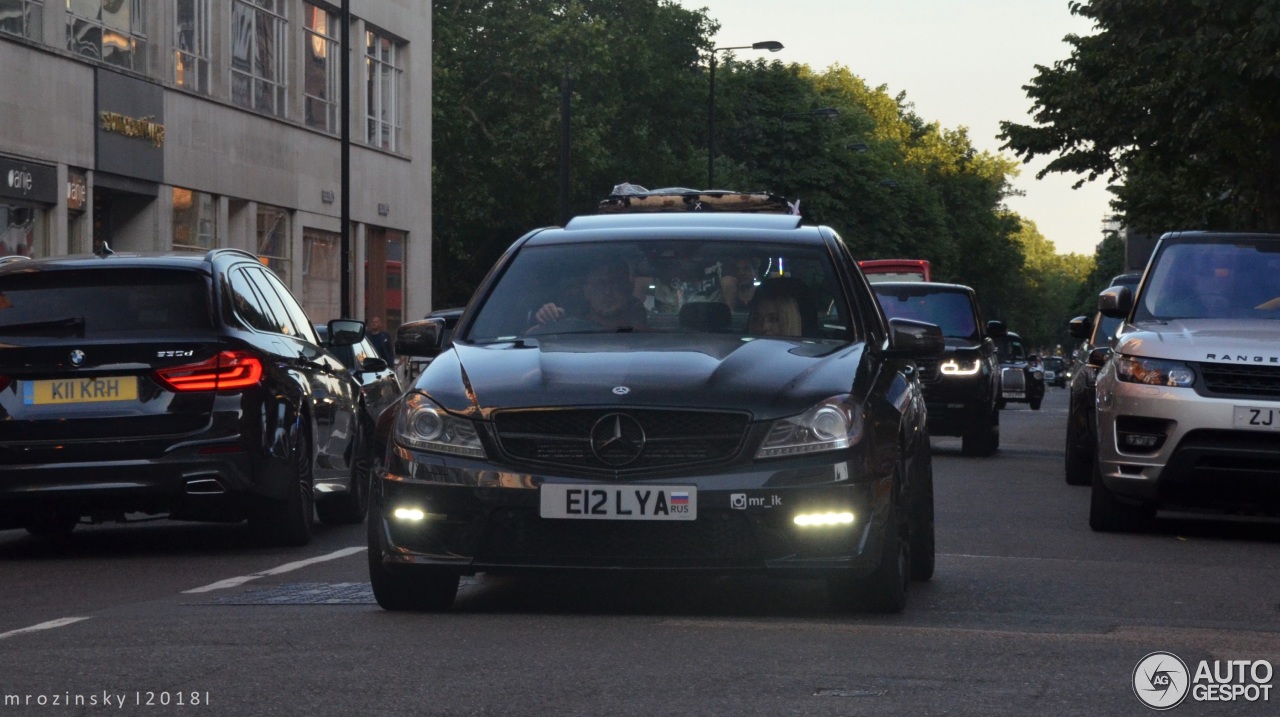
(1175, 98)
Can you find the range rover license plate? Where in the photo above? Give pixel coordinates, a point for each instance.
(1256, 419)
(618, 502)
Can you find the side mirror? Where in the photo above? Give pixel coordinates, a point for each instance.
(421, 338)
(914, 339)
(345, 332)
(374, 364)
(1098, 356)
(1080, 327)
(1115, 302)
(996, 329)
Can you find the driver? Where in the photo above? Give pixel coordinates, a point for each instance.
(607, 291)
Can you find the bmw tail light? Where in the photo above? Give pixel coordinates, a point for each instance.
(227, 370)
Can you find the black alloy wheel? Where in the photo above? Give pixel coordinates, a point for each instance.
(417, 589)
(885, 589)
(1108, 514)
(349, 508)
(923, 543)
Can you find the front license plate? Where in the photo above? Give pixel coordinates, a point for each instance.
(618, 502)
(1014, 394)
(1256, 419)
(80, 390)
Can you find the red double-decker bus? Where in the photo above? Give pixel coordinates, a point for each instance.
(878, 270)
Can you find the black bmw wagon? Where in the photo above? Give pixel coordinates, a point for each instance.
(186, 385)
(711, 392)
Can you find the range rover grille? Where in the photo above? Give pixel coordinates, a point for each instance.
(1233, 380)
(671, 438)
(928, 369)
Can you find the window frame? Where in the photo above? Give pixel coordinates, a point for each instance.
(200, 56)
(32, 23)
(331, 41)
(376, 67)
(277, 10)
(137, 35)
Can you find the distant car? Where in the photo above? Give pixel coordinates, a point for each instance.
(567, 425)
(379, 383)
(1188, 402)
(961, 387)
(1055, 371)
(1021, 380)
(879, 270)
(186, 385)
(1081, 435)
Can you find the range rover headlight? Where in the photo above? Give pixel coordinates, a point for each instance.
(834, 424)
(1154, 372)
(961, 367)
(422, 425)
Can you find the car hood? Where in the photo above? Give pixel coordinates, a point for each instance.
(769, 378)
(1215, 340)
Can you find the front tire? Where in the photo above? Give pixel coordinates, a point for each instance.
(923, 543)
(1078, 463)
(288, 522)
(53, 525)
(419, 589)
(1035, 404)
(885, 589)
(983, 440)
(1107, 514)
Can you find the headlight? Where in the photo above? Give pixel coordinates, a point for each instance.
(952, 367)
(832, 425)
(422, 425)
(1038, 374)
(1154, 372)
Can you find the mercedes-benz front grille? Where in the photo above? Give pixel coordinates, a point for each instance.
(620, 440)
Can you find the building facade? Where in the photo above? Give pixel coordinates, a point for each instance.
(157, 125)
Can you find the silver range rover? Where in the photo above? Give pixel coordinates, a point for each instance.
(1189, 401)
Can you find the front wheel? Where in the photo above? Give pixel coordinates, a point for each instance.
(885, 589)
(1077, 462)
(1107, 514)
(420, 589)
(923, 544)
(1035, 404)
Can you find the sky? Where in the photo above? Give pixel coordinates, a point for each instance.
(962, 63)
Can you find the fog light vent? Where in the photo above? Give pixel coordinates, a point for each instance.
(1135, 434)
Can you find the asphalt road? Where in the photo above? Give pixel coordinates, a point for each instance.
(1029, 613)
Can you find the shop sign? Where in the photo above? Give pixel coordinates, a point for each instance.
(29, 181)
(77, 191)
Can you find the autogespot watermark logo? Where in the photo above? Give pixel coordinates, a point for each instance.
(1160, 680)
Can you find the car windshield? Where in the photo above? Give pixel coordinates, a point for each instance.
(623, 287)
(1010, 349)
(952, 311)
(1239, 280)
(1053, 363)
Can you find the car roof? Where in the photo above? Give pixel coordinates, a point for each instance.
(123, 260)
(921, 287)
(711, 226)
(1216, 236)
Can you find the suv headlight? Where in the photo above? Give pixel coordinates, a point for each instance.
(423, 425)
(961, 367)
(1154, 372)
(832, 425)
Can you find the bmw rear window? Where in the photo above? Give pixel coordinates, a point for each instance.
(103, 303)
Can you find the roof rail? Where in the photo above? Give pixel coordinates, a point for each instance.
(13, 257)
(232, 250)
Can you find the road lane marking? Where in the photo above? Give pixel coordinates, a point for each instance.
(287, 567)
(60, 622)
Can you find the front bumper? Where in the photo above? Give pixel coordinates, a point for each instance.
(484, 520)
(1200, 461)
(957, 403)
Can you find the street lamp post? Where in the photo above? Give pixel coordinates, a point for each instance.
(771, 46)
(825, 112)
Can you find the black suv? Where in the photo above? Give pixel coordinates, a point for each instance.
(191, 385)
(576, 419)
(1021, 377)
(963, 386)
(1094, 349)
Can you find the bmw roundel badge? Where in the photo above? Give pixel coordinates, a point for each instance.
(77, 358)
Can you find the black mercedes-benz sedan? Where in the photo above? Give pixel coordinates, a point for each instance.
(600, 406)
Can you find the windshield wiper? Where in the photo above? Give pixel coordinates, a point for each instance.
(70, 325)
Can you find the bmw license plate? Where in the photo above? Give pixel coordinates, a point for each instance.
(80, 390)
(618, 502)
(1256, 419)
